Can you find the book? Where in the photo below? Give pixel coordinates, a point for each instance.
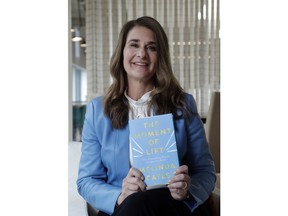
(153, 149)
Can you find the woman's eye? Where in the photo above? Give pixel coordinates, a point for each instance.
(152, 48)
(134, 45)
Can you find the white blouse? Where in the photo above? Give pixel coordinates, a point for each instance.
(139, 108)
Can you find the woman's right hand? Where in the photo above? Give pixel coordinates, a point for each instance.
(134, 182)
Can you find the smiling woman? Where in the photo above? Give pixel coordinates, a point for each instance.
(141, 33)
(140, 61)
(143, 78)
(194, 42)
(195, 60)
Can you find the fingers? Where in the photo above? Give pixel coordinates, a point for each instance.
(179, 190)
(134, 181)
(179, 186)
(181, 177)
(133, 172)
(182, 169)
(180, 183)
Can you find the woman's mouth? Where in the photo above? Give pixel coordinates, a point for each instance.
(140, 63)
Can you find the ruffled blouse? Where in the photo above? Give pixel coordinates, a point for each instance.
(139, 108)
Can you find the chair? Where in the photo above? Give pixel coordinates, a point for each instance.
(212, 128)
(91, 210)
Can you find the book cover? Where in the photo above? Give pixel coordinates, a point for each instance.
(153, 149)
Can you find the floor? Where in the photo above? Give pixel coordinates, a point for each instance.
(76, 204)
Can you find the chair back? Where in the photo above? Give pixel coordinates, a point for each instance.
(212, 128)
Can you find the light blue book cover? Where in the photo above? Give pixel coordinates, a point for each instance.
(153, 149)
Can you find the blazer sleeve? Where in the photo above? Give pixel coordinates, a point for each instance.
(199, 160)
(91, 182)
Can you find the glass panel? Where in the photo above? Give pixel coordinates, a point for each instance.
(78, 70)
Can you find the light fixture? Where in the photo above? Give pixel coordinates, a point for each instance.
(77, 37)
(83, 43)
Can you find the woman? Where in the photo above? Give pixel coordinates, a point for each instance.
(143, 85)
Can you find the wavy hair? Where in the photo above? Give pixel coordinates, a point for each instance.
(167, 96)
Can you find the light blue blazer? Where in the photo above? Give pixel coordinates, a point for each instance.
(105, 163)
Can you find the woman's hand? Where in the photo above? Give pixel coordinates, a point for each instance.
(180, 183)
(134, 182)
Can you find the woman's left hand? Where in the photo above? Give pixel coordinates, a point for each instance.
(180, 183)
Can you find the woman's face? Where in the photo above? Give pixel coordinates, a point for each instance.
(140, 54)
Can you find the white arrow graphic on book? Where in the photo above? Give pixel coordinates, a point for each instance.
(140, 151)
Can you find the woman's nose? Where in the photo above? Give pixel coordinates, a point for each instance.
(141, 52)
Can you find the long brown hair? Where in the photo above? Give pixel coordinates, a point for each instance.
(167, 96)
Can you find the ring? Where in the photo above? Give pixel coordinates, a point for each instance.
(186, 185)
